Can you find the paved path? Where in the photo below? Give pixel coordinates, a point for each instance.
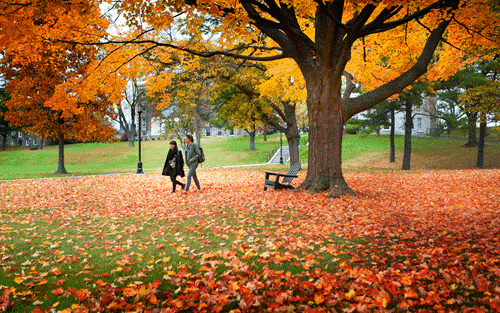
(276, 157)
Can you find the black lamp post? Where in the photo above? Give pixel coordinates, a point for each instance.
(281, 150)
(139, 164)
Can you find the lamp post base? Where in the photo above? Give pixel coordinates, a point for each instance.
(139, 168)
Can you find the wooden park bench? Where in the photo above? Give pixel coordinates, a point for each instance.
(286, 182)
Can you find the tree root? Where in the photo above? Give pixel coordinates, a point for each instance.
(336, 186)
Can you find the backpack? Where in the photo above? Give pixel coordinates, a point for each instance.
(201, 158)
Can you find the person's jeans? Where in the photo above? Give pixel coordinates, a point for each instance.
(192, 173)
(173, 179)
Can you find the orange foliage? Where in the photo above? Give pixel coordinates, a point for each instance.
(50, 85)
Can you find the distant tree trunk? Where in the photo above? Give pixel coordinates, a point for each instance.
(60, 166)
(290, 130)
(131, 138)
(252, 139)
(265, 132)
(408, 127)
(472, 118)
(32, 142)
(4, 141)
(292, 133)
(292, 136)
(198, 133)
(480, 148)
(392, 157)
(40, 144)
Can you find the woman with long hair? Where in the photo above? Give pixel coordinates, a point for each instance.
(174, 165)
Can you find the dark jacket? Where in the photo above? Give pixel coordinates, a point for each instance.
(179, 163)
(193, 153)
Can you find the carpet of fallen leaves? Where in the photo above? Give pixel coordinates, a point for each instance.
(420, 242)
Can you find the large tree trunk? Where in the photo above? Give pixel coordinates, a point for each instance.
(324, 171)
(480, 147)
(60, 164)
(322, 64)
(408, 128)
(471, 123)
(392, 157)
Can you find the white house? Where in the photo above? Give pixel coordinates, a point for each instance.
(423, 122)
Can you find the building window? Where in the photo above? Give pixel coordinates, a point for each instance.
(219, 132)
(419, 123)
(207, 132)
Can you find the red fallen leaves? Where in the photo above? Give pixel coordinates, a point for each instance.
(57, 291)
(431, 242)
(5, 302)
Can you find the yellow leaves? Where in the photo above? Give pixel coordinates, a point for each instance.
(411, 294)
(406, 281)
(18, 280)
(349, 295)
(381, 301)
(319, 299)
(235, 286)
(42, 282)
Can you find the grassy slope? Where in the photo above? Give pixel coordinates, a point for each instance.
(359, 153)
(93, 158)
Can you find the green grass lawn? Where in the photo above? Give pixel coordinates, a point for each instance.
(492, 134)
(363, 153)
(118, 157)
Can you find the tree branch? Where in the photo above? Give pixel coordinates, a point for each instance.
(349, 85)
(353, 106)
(382, 27)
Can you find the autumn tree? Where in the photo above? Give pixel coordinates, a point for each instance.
(185, 84)
(390, 43)
(485, 100)
(5, 127)
(127, 108)
(237, 108)
(51, 91)
(252, 94)
(449, 92)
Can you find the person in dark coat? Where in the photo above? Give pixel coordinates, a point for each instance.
(174, 165)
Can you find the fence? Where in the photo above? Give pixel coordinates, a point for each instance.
(270, 154)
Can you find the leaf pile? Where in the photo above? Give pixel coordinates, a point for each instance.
(416, 242)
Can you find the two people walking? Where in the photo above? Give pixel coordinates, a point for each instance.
(174, 164)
